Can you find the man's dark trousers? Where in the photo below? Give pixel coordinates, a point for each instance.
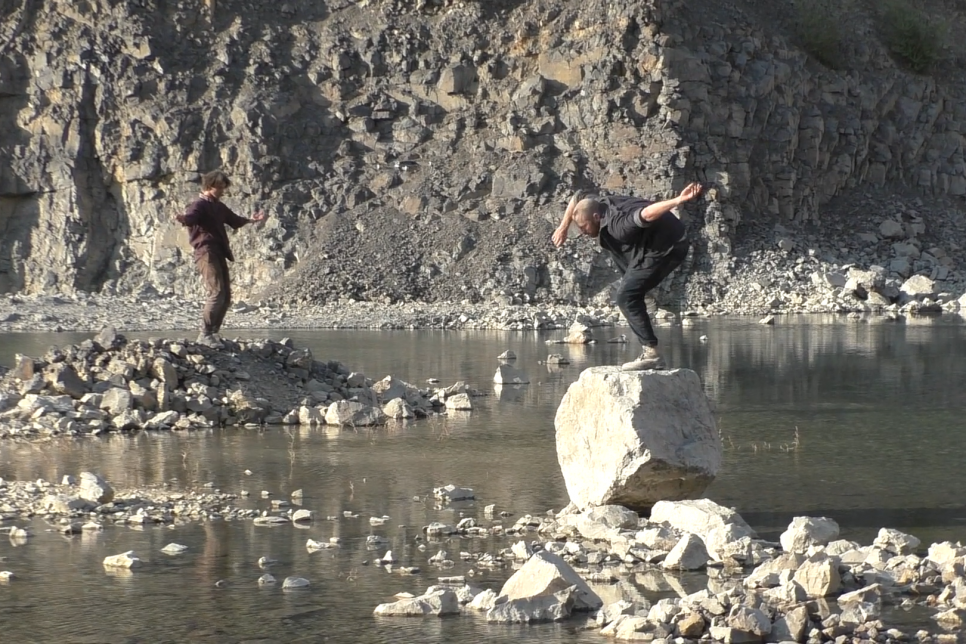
(638, 281)
(213, 267)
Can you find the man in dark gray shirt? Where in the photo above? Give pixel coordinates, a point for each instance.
(646, 241)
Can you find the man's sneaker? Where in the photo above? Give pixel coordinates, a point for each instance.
(209, 340)
(649, 359)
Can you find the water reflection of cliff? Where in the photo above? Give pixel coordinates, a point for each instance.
(766, 381)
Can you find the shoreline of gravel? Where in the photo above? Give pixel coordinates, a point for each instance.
(91, 313)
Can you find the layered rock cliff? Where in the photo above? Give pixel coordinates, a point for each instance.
(425, 150)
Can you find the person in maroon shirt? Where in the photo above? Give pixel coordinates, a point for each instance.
(206, 219)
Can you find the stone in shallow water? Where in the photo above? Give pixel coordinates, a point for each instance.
(452, 492)
(95, 488)
(266, 580)
(174, 549)
(542, 608)
(292, 583)
(546, 573)
(459, 402)
(302, 516)
(124, 560)
(651, 436)
(437, 603)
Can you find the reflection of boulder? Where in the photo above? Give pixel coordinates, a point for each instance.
(636, 438)
(510, 393)
(508, 374)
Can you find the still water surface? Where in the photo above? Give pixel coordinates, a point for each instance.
(877, 410)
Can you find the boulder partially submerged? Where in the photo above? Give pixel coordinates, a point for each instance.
(636, 438)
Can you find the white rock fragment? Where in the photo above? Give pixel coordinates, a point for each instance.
(302, 516)
(437, 603)
(174, 549)
(292, 583)
(689, 554)
(459, 402)
(896, 542)
(124, 560)
(805, 532)
(450, 493)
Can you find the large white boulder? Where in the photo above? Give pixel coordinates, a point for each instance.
(635, 438)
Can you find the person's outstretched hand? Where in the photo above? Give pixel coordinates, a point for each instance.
(559, 237)
(691, 191)
(259, 217)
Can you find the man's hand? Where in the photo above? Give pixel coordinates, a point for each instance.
(559, 236)
(259, 217)
(691, 191)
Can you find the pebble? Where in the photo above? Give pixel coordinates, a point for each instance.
(291, 583)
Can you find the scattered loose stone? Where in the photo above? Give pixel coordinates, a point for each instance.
(437, 603)
(302, 516)
(450, 493)
(124, 560)
(805, 532)
(292, 583)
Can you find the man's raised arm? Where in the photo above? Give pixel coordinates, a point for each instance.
(655, 210)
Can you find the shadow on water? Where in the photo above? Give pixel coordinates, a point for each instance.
(861, 423)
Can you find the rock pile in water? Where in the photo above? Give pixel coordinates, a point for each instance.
(112, 384)
(812, 587)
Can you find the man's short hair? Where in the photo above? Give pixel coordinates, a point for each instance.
(587, 207)
(214, 179)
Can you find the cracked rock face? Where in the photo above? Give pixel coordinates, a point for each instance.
(442, 139)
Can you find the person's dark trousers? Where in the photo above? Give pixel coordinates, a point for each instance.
(637, 282)
(214, 272)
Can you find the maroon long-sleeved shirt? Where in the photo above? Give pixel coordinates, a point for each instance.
(206, 220)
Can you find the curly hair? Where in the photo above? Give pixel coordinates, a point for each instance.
(213, 179)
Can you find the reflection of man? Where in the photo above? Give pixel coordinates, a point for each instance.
(206, 219)
(646, 241)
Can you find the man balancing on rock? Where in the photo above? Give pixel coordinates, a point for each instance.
(206, 219)
(646, 241)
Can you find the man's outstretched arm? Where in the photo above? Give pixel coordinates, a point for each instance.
(560, 235)
(655, 210)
